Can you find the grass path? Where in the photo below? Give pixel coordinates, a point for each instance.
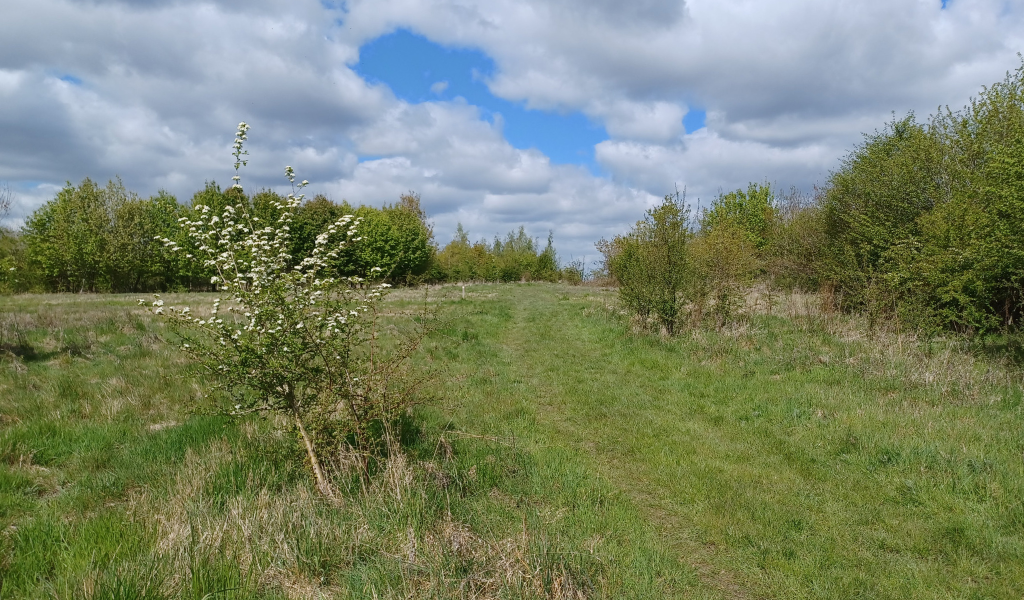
(770, 471)
(779, 461)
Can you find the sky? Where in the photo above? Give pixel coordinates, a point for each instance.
(571, 116)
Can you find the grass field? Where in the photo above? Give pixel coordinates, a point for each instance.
(793, 456)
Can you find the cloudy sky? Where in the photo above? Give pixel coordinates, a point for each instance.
(571, 115)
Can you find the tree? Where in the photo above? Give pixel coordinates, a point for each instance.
(66, 238)
(288, 338)
(873, 203)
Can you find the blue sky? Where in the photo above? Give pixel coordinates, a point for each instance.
(418, 70)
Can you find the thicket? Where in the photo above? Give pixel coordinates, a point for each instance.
(90, 238)
(921, 224)
(923, 220)
(675, 269)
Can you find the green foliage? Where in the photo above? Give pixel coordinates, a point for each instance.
(651, 263)
(395, 238)
(574, 273)
(517, 257)
(926, 219)
(97, 239)
(66, 236)
(873, 203)
(794, 258)
(93, 239)
(725, 262)
(752, 212)
(311, 219)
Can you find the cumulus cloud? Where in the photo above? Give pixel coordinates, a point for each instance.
(152, 91)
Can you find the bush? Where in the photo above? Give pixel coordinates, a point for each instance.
(874, 202)
(670, 275)
(290, 339)
(751, 213)
(794, 259)
(651, 264)
(725, 263)
(927, 217)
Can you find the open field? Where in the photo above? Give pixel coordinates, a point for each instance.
(791, 457)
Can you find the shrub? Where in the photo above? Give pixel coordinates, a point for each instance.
(925, 219)
(574, 273)
(794, 259)
(651, 264)
(669, 275)
(873, 203)
(290, 338)
(752, 213)
(724, 264)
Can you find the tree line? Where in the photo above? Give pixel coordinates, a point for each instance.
(93, 238)
(922, 222)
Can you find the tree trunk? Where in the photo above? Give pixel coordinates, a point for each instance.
(318, 472)
(314, 461)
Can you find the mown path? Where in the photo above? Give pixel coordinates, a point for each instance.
(767, 468)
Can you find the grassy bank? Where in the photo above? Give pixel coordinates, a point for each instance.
(794, 457)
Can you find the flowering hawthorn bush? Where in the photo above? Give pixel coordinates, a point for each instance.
(288, 338)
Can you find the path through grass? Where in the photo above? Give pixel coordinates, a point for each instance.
(573, 459)
(776, 462)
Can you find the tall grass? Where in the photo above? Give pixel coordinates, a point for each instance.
(110, 487)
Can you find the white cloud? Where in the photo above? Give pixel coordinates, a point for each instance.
(648, 121)
(152, 92)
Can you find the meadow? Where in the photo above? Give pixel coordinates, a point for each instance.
(794, 453)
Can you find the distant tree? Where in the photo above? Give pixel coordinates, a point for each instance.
(66, 238)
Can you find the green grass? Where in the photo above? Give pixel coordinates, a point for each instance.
(792, 457)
